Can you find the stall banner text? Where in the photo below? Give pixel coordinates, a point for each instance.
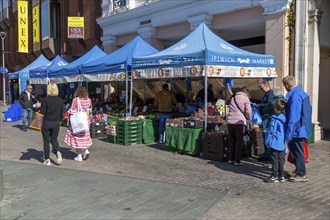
(23, 27)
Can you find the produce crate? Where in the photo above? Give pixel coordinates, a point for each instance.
(130, 135)
(112, 139)
(215, 146)
(129, 123)
(128, 141)
(129, 129)
(193, 123)
(98, 124)
(100, 133)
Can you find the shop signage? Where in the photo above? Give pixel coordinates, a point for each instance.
(76, 27)
(23, 27)
(36, 24)
(3, 70)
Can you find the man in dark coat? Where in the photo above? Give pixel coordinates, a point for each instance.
(26, 99)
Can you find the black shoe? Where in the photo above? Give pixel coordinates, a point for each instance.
(24, 129)
(272, 179)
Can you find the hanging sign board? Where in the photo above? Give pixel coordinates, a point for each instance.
(76, 27)
(23, 26)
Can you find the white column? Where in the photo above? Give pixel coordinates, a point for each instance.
(312, 63)
(147, 31)
(109, 43)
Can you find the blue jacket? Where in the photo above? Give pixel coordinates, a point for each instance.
(275, 132)
(299, 114)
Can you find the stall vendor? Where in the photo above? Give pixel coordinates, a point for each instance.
(164, 101)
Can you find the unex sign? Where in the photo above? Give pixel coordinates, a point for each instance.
(23, 27)
(76, 27)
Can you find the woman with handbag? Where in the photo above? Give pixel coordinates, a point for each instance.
(79, 138)
(239, 113)
(52, 109)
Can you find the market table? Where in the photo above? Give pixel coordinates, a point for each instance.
(150, 131)
(183, 140)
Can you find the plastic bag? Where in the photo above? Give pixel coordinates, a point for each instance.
(256, 117)
(306, 153)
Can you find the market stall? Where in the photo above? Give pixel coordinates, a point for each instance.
(40, 75)
(23, 75)
(203, 55)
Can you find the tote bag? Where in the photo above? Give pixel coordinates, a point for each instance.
(79, 120)
(36, 123)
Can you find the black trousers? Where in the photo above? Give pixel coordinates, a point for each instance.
(278, 160)
(50, 130)
(235, 141)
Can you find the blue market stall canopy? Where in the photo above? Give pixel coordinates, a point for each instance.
(73, 68)
(200, 49)
(119, 61)
(40, 75)
(24, 73)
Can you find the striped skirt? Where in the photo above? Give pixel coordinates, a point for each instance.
(81, 140)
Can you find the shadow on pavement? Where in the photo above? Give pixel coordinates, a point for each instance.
(20, 127)
(251, 167)
(38, 155)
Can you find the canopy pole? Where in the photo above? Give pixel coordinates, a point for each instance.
(126, 85)
(205, 98)
(131, 96)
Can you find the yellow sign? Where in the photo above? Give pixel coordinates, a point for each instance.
(76, 27)
(23, 27)
(36, 24)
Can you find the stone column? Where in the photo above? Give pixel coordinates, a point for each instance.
(109, 43)
(312, 63)
(148, 33)
(276, 32)
(195, 21)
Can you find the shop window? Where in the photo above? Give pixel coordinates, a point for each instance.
(54, 19)
(45, 19)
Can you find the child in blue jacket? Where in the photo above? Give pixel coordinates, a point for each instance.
(275, 141)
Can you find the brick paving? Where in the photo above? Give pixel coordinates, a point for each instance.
(246, 196)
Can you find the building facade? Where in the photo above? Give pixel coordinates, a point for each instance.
(51, 28)
(261, 26)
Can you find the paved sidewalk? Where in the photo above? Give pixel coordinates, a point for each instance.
(222, 191)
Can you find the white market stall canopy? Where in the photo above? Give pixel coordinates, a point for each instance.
(202, 52)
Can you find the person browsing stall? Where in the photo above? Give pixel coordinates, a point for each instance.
(164, 101)
(239, 112)
(299, 126)
(275, 141)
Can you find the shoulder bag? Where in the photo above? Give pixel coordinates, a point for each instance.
(79, 120)
(249, 123)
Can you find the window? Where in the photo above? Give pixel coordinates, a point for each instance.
(45, 19)
(54, 19)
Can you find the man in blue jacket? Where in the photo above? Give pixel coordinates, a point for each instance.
(299, 125)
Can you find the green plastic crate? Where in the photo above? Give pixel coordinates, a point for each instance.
(129, 136)
(112, 139)
(134, 128)
(129, 123)
(127, 142)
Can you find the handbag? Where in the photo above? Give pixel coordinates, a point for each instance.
(79, 120)
(249, 123)
(36, 123)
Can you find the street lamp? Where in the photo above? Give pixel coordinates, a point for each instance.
(3, 36)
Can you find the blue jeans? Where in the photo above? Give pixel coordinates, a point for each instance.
(162, 121)
(296, 147)
(27, 117)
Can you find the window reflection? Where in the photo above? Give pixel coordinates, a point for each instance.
(45, 19)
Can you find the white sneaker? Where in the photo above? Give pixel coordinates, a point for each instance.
(231, 161)
(47, 162)
(86, 154)
(59, 157)
(78, 158)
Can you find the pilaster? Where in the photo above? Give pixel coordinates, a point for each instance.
(109, 43)
(312, 62)
(195, 21)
